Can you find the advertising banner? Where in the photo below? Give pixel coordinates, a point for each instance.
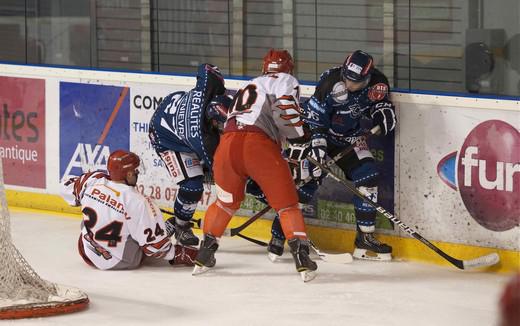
(462, 175)
(22, 131)
(94, 120)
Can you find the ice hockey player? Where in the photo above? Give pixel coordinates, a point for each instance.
(184, 133)
(263, 114)
(343, 97)
(120, 225)
(306, 186)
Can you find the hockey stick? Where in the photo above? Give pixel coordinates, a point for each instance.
(235, 231)
(482, 261)
(332, 161)
(255, 241)
(345, 258)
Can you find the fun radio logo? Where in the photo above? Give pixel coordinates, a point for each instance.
(486, 172)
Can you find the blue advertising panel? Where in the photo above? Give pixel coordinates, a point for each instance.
(94, 120)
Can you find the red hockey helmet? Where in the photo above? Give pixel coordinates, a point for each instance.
(278, 61)
(120, 162)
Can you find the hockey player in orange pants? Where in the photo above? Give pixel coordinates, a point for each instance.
(263, 114)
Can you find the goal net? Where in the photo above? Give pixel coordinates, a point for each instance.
(23, 294)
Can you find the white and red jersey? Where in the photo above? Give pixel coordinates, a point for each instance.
(119, 223)
(271, 103)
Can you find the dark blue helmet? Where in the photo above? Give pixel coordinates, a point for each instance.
(208, 73)
(357, 67)
(218, 108)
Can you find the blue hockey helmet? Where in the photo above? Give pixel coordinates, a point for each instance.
(214, 77)
(357, 67)
(218, 108)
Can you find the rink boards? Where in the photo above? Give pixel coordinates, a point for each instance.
(452, 172)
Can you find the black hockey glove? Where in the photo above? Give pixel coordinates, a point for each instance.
(384, 117)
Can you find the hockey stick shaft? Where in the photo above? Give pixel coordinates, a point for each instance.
(486, 260)
(234, 231)
(349, 149)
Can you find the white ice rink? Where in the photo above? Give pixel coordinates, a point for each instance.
(246, 289)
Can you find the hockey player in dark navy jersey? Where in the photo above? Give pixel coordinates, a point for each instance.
(343, 97)
(184, 132)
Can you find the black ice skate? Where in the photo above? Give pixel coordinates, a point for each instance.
(182, 231)
(205, 259)
(369, 248)
(275, 248)
(304, 265)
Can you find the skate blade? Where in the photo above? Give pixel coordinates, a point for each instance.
(365, 254)
(197, 270)
(308, 275)
(272, 257)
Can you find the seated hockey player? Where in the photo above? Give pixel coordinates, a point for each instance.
(263, 114)
(184, 133)
(345, 95)
(120, 225)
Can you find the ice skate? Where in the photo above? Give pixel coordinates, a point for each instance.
(205, 259)
(182, 231)
(369, 248)
(304, 264)
(275, 249)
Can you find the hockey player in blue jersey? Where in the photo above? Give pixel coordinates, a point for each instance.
(343, 97)
(184, 132)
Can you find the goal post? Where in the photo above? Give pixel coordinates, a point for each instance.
(24, 294)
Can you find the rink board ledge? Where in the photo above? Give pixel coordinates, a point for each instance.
(333, 240)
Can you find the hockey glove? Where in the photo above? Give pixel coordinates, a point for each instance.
(384, 117)
(318, 152)
(184, 255)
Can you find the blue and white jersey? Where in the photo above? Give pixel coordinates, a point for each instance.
(179, 124)
(335, 113)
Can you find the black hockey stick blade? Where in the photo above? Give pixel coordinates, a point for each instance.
(258, 242)
(483, 261)
(345, 258)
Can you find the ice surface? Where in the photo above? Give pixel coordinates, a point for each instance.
(245, 288)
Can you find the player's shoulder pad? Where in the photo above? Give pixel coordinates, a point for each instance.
(326, 83)
(378, 87)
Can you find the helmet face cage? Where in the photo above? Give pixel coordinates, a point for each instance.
(357, 67)
(218, 108)
(120, 162)
(278, 61)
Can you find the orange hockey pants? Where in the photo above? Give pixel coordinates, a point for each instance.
(252, 154)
